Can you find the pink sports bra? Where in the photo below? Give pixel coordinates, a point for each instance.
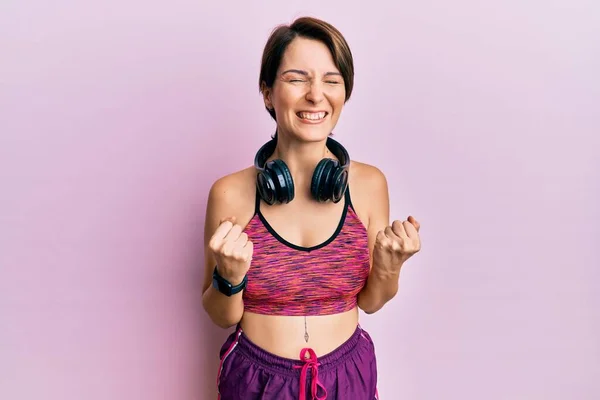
(286, 279)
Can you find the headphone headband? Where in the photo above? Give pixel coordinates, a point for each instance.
(263, 154)
(268, 149)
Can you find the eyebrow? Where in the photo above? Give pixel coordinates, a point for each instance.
(301, 72)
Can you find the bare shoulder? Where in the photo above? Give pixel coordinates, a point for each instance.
(233, 195)
(367, 174)
(369, 191)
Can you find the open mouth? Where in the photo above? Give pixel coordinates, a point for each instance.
(312, 116)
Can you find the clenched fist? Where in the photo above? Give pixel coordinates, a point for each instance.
(232, 251)
(395, 244)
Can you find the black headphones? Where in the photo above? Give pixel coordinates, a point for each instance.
(274, 182)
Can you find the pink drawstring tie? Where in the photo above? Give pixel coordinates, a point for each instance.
(312, 363)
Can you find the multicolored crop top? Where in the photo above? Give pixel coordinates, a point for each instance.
(287, 279)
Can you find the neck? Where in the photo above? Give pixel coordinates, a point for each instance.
(301, 158)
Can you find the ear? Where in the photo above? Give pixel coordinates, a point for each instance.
(266, 92)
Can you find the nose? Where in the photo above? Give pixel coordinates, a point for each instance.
(315, 92)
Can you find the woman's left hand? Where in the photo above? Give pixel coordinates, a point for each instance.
(394, 245)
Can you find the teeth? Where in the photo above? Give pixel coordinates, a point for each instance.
(312, 116)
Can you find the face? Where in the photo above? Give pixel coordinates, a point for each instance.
(308, 93)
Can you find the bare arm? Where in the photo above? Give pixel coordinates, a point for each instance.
(224, 311)
(380, 288)
(391, 246)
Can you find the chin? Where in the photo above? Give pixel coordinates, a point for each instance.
(313, 133)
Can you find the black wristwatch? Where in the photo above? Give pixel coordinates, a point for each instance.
(225, 287)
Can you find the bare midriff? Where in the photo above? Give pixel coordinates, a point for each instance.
(284, 336)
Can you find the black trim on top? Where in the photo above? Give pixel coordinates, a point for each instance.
(273, 232)
(348, 199)
(257, 202)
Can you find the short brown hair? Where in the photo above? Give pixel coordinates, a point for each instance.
(311, 28)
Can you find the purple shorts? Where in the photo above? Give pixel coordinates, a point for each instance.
(247, 372)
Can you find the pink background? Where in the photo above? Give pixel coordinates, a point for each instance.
(115, 118)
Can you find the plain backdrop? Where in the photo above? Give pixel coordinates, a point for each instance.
(117, 116)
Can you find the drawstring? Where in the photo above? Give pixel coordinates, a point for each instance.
(311, 363)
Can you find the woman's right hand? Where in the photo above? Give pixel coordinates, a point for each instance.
(232, 251)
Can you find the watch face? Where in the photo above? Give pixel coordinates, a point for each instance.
(221, 286)
(225, 287)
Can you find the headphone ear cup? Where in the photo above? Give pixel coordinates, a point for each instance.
(284, 184)
(321, 187)
(339, 183)
(266, 187)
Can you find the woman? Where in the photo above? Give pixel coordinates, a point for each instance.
(298, 242)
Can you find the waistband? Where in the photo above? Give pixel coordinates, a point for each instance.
(292, 367)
